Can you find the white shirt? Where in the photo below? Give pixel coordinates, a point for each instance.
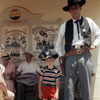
(31, 67)
(94, 29)
(77, 41)
(2, 68)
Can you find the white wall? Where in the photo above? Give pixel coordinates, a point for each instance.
(52, 9)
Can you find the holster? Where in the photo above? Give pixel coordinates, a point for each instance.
(62, 62)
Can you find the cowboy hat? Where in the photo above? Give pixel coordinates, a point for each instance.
(47, 54)
(73, 2)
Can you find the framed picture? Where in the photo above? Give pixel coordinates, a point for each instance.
(44, 38)
(15, 41)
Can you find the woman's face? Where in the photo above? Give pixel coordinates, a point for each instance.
(5, 61)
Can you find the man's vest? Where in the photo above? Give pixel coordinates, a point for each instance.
(85, 32)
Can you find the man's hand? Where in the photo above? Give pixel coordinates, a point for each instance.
(16, 74)
(92, 47)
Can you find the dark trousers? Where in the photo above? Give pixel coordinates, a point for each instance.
(20, 91)
(25, 92)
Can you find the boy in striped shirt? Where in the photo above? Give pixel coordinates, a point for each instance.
(49, 78)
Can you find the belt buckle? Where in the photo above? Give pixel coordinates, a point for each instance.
(78, 51)
(77, 47)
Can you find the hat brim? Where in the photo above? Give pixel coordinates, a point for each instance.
(81, 3)
(5, 58)
(27, 53)
(55, 56)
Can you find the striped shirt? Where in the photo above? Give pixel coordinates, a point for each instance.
(49, 76)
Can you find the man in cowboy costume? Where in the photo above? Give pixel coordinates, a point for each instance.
(77, 33)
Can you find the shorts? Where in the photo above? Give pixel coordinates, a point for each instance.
(48, 92)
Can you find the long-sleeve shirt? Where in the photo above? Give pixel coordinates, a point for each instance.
(93, 27)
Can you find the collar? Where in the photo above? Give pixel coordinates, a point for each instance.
(50, 69)
(76, 20)
(27, 62)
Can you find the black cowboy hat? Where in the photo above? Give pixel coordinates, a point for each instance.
(47, 54)
(73, 2)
